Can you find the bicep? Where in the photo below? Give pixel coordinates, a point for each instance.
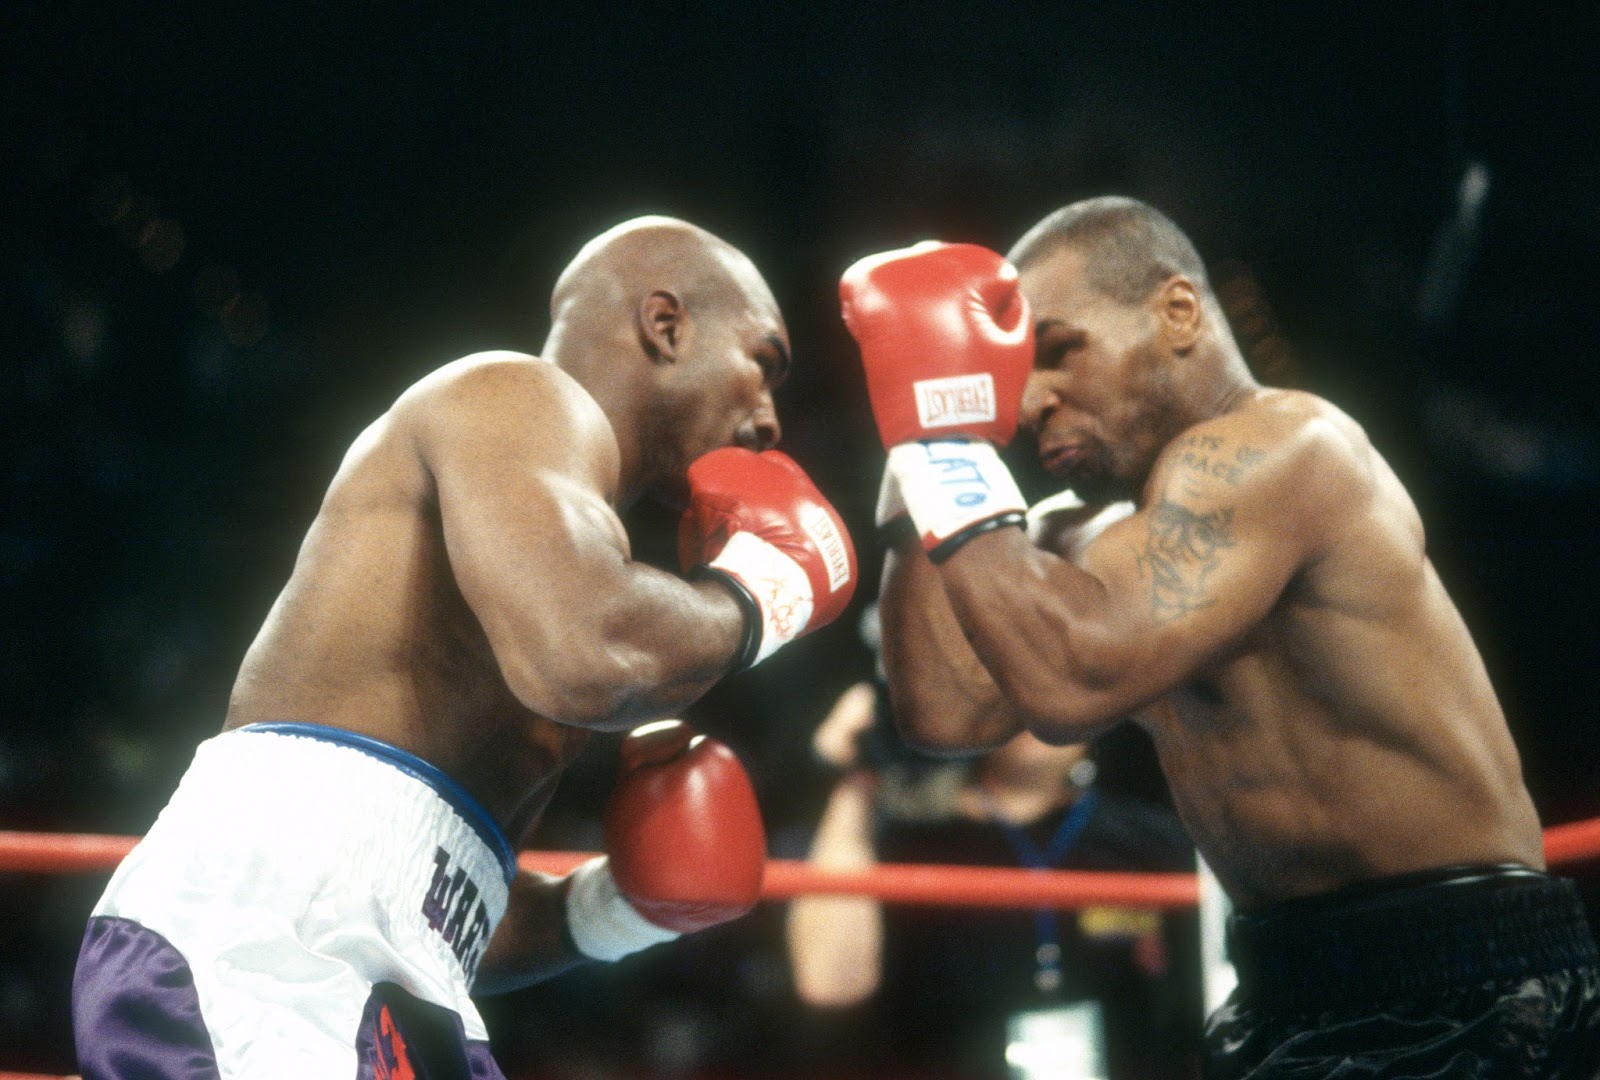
(532, 552)
(1194, 570)
(519, 489)
(581, 633)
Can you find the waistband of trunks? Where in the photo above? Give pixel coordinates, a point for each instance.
(1409, 935)
(471, 811)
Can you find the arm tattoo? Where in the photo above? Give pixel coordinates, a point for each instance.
(1183, 548)
(1207, 455)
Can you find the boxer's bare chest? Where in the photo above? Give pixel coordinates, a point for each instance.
(508, 756)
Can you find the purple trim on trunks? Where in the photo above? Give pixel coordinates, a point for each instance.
(402, 1035)
(481, 1062)
(135, 1012)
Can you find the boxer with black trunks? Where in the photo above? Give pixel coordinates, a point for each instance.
(333, 877)
(1268, 613)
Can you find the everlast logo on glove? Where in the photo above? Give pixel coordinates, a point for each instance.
(823, 533)
(958, 399)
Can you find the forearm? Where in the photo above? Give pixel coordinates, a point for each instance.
(531, 943)
(674, 641)
(1039, 627)
(944, 699)
(836, 942)
(643, 647)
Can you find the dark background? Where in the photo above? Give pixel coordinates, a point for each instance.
(228, 240)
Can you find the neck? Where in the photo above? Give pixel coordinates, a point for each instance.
(1234, 385)
(596, 368)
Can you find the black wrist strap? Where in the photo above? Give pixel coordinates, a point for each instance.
(896, 529)
(750, 645)
(949, 545)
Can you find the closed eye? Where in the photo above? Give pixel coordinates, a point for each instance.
(1057, 350)
(774, 361)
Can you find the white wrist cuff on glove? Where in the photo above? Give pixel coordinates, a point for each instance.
(780, 587)
(950, 486)
(603, 924)
(890, 504)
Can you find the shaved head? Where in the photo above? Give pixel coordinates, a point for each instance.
(1129, 248)
(613, 271)
(677, 337)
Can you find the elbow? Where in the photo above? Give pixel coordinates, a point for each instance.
(943, 724)
(1066, 707)
(1063, 720)
(595, 689)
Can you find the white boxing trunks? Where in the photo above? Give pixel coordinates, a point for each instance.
(311, 903)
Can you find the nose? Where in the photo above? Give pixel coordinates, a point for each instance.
(1039, 401)
(762, 431)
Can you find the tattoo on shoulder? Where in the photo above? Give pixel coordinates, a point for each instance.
(1182, 550)
(1211, 455)
(1185, 545)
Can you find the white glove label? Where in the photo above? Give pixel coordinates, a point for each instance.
(950, 485)
(781, 588)
(958, 399)
(1059, 503)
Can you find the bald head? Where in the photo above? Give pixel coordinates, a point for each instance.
(1129, 248)
(614, 271)
(676, 336)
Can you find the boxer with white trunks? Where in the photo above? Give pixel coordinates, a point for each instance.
(271, 924)
(333, 877)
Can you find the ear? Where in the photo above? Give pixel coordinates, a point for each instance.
(1179, 308)
(661, 320)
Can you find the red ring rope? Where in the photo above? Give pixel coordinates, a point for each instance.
(959, 886)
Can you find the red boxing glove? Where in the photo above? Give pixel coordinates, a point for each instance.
(757, 523)
(684, 840)
(946, 340)
(683, 830)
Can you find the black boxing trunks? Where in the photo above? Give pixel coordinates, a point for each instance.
(1465, 973)
(311, 903)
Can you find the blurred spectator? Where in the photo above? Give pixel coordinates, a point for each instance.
(982, 985)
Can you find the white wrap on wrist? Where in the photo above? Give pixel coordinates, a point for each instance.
(951, 485)
(603, 924)
(890, 504)
(780, 587)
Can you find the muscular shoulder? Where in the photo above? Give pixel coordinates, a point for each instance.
(1285, 457)
(487, 382)
(518, 403)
